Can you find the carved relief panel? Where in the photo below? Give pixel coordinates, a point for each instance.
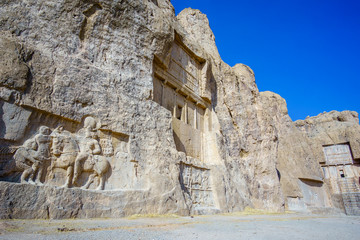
(196, 182)
(63, 153)
(184, 68)
(338, 154)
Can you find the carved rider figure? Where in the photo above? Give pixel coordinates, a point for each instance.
(89, 146)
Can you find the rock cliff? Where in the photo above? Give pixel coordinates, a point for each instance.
(112, 108)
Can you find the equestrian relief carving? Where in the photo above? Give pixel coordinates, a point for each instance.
(80, 154)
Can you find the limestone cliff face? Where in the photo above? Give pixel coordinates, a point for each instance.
(248, 144)
(65, 60)
(121, 107)
(295, 156)
(334, 138)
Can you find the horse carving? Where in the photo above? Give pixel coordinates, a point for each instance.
(98, 167)
(77, 156)
(65, 150)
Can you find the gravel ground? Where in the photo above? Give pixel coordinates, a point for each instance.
(235, 226)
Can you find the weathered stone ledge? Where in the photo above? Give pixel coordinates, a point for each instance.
(30, 201)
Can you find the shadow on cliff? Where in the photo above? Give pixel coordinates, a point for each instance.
(214, 89)
(2, 123)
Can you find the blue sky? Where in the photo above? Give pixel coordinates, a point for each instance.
(306, 51)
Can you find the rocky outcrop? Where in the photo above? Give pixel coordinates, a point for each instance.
(111, 108)
(65, 61)
(334, 138)
(332, 128)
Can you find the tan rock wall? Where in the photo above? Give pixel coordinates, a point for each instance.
(126, 98)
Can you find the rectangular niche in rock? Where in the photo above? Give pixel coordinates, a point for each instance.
(179, 86)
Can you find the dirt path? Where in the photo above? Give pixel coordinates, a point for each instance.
(285, 226)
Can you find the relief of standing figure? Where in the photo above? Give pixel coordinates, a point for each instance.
(43, 140)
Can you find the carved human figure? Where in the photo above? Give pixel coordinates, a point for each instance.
(91, 124)
(79, 153)
(43, 141)
(196, 197)
(25, 160)
(205, 180)
(89, 146)
(207, 200)
(30, 157)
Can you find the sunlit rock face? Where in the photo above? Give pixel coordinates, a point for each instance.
(113, 108)
(335, 140)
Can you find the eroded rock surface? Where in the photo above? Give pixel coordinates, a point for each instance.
(111, 108)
